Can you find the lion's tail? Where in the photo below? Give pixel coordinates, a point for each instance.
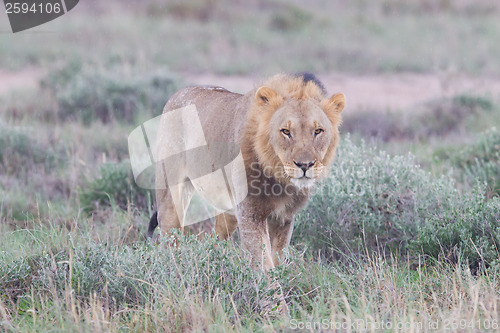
(153, 223)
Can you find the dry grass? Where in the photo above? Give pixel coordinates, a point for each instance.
(363, 295)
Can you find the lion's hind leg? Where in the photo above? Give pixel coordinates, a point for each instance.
(172, 206)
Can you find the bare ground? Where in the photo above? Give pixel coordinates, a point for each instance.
(381, 92)
(394, 92)
(19, 80)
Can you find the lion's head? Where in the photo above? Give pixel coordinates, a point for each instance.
(296, 128)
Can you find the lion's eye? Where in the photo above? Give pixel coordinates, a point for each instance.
(285, 131)
(318, 131)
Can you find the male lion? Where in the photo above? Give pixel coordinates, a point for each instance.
(287, 131)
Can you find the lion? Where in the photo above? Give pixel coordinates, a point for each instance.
(288, 132)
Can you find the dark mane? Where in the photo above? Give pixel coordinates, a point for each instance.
(307, 77)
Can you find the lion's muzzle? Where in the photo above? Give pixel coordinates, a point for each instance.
(306, 170)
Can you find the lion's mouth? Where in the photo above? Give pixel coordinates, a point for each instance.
(303, 182)
(303, 174)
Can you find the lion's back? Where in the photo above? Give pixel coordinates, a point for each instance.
(220, 111)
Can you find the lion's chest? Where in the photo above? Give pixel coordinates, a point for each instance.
(287, 206)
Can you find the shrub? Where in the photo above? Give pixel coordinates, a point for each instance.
(19, 152)
(368, 124)
(480, 162)
(16, 205)
(438, 118)
(108, 94)
(290, 17)
(115, 185)
(469, 233)
(445, 116)
(371, 201)
(203, 11)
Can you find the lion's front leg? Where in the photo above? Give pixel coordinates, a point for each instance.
(255, 239)
(280, 232)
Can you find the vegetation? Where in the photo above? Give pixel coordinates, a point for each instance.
(115, 185)
(107, 94)
(405, 240)
(266, 37)
(479, 162)
(372, 201)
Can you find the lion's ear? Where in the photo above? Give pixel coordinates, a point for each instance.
(266, 96)
(336, 103)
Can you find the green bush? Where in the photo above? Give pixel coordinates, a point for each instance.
(110, 94)
(115, 185)
(19, 152)
(371, 201)
(469, 233)
(480, 162)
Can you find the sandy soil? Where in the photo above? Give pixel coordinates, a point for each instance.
(375, 93)
(18, 80)
(378, 93)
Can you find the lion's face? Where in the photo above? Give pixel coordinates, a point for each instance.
(300, 134)
(303, 134)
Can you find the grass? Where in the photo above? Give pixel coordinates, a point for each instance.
(391, 238)
(209, 285)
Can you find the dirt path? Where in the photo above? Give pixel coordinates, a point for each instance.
(378, 93)
(371, 92)
(19, 80)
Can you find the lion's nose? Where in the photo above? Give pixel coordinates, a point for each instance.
(304, 165)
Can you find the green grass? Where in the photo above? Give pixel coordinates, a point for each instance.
(80, 284)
